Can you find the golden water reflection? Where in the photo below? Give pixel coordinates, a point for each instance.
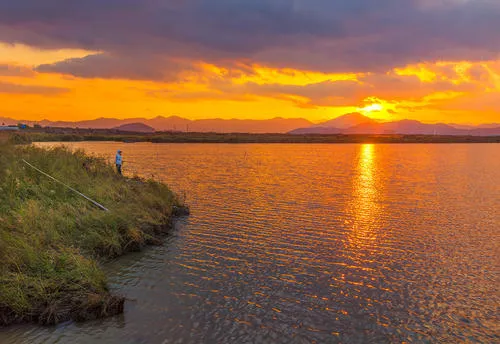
(365, 205)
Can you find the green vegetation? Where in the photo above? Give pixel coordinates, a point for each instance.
(52, 240)
(171, 137)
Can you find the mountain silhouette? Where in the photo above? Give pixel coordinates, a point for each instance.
(347, 121)
(175, 123)
(351, 123)
(403, 127)
(135, 128)
(336, 125)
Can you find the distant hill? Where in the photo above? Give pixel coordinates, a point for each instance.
(471, 126)
(403, 127)
(485, 132)
(336, 125)
(6, 121)
(99, 123)
(347, 121)
(275, 125)
(411, 127)
(352, 123)
(172, 123)
(175, 123)
(136, 128)
(489, 126)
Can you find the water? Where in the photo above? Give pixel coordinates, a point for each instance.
(310, 243)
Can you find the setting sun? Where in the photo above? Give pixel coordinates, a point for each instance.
(371, 108)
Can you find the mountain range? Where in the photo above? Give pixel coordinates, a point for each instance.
(356, 123)
(353, 123)
(175, 123)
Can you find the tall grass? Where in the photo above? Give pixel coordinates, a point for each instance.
(52, 240)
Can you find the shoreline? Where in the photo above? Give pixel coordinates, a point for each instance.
(80, 135)
(53, 243)
(81, 308)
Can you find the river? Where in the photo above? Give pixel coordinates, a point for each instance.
(291, 243)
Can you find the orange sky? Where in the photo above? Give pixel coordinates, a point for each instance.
(451, 91)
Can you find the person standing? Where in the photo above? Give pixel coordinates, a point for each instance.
(119, 161)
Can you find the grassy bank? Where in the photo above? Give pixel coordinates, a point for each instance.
(52, 240)
(168, 137)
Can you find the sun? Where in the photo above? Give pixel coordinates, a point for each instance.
(371, 108)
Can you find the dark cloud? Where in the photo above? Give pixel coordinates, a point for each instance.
(12, 70)
(320, 35)
(140, 67)
(10, 88)
(481, 74)
(118, 67)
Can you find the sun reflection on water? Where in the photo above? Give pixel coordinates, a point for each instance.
(365, 207)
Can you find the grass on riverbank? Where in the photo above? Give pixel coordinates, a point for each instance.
(52, 240)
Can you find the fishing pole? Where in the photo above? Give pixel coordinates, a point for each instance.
(67, 186)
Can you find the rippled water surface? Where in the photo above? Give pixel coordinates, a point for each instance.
(310, 243)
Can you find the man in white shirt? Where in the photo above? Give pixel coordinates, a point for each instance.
(118, 161)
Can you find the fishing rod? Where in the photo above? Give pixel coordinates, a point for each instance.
(67, 186)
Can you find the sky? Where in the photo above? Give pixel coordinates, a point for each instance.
(429, 60)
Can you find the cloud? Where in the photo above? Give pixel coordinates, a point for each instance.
(419, 85)
(13, 70)
(141, 39)
(477, 103)
(10, 88)
(387, 86)
(480, 73)
(109, 66)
